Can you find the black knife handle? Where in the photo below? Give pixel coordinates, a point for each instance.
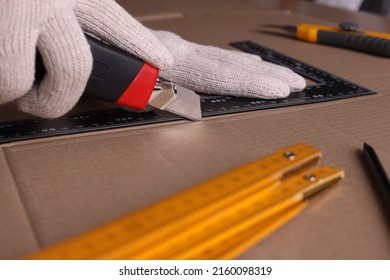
(117, 76)
(363, 43)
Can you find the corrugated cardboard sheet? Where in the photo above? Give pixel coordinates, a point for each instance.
(52, 189)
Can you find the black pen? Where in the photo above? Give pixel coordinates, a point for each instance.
(380, 176)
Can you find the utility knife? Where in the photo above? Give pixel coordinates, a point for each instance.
(121, 78)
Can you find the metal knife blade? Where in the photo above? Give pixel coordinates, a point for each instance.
(186, 104)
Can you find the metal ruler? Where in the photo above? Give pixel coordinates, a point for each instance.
(327, 87)
(217, 219)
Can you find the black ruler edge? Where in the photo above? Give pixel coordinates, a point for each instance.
(75, 123)
(328, 87)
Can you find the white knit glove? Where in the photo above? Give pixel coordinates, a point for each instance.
(216, 71)
(53, 26)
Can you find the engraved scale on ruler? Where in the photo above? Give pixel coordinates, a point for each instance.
(217, 219)
(328, 87)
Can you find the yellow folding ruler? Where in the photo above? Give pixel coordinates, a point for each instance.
(217, 219)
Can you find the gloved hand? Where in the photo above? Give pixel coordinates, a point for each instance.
(53, 26)
(216, 71)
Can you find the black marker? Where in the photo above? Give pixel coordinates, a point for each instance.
(379, 173)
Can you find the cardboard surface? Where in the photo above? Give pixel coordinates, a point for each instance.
(17, 235)
(56, 188)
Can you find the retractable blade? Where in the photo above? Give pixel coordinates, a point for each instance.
(176, 99)
(187, 104)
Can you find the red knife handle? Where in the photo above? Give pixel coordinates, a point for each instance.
(117, 76)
